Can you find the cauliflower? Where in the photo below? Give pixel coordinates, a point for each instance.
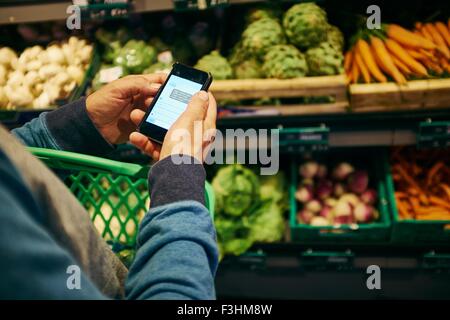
(55, 54)
(15, 79)
(76, 73)
(50, 70)
(19, 96)
(4, 101)
(3, 75)
(42, 102)
(8, 58)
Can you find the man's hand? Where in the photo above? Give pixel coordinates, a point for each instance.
(191, 134)
(110, 107)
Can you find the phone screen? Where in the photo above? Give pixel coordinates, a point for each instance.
(172, 101)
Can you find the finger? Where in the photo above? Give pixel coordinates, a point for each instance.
(133, 85)
(197, 107)
(159, 77)
(136, 116)
(211, 113)
(145, 145)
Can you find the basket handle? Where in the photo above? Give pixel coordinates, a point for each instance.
(66, 160)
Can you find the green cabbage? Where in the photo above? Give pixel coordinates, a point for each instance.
(248, 209)
(236, 189)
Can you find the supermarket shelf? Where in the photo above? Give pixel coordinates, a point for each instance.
(47, 11)
(279, 271)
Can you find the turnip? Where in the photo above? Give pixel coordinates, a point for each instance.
(313, 206)
(342, 170)
(327, 213)
(363, 213)
(324, 189)
(369, 196)
(342, 212)
(350, 198)
(309, 169)
(322, 171)
(358, 181)
(339, 189)
(319, 222)
(305, 216)
(304, 194)
(330, 202)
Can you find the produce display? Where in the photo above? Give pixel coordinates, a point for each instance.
(395, 53)
(219, 66)
(422, 183)
(124, 55)
(335, 195)
(248, 208)
(38, 77)
(299, 43)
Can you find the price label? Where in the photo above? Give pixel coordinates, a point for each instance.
(183, 5)
(294, 140)
(434, 134)
(110, 74)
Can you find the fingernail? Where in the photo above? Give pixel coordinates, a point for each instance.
(155, 85)
(203, 95)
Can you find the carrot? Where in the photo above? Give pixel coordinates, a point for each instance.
(348, 59)
(400, 194)
(438, 40)
(445, 33)
(426, 33)
(401, 66)
(428, 54)
(404, 213)
(438, 165)
(364, 50)
(355, 72)
(432, 66)
(424, 199)
(407, 38)
(446, 189)
(438, 215)
(413, 53)
(418, 25)
(361, 66)
(403, 56)
(439, 202)
(445, 64)
(385, 60)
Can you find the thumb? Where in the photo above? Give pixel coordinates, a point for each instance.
(198, 106)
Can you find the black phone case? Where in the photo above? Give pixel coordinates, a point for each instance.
(205, 87)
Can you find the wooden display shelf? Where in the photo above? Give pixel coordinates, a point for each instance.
(334, 86)
(416, 94)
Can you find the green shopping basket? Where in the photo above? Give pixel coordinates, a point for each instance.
(114, 193)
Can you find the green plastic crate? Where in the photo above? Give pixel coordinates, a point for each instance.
(114, 193)
(377, 232)
(409, 231)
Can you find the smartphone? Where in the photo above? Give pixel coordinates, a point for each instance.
(172, 99)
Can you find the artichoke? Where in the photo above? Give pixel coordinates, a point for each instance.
(335, 37)
(305, 25)
(263, 12)
(219, 67)
(236, 189)
(238, 54)
(158, 67)
(325, 59)
(262, 34)
(249, 69)
(283, 62)
(135, 56)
